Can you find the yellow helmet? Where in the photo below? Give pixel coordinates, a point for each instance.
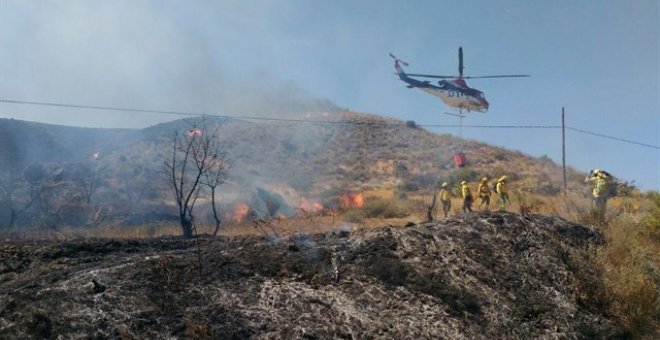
(445, 184)
(502, 179)
(485, 179)
(463, 182)
(596, 171)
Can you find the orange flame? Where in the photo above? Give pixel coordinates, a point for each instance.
(314, 207)
(241, 211)
(352, 200)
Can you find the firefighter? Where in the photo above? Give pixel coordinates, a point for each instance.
(484, 193)
(445, 198)
(467, 197)
(599, 179)
(502, 192)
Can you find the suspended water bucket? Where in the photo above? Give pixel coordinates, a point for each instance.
(459, 159)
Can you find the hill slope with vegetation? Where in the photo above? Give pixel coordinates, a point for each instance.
(63, 183)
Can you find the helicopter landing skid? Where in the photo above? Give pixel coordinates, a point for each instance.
(460, 115)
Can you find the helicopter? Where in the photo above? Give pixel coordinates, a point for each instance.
(453, 91)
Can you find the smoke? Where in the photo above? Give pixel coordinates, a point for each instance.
(139, 55)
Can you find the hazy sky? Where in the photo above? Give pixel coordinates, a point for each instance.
(598, 59)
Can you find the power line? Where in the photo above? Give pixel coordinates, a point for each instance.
(495, 126)
(191, 114)
(342, 122)
(349, 122)
(612, 137)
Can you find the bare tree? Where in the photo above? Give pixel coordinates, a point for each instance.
(196, 164)
(15, 203)
(86, 178)
(135, 183)
(215, 177)
(41, 195)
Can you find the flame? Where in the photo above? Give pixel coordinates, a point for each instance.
(313, 207)
(241, 211)
(352, 200)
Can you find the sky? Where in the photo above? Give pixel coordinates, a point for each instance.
(600, 60)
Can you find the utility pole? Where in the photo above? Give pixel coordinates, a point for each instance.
(563, 148)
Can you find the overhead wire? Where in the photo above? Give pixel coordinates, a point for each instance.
(612, 137)
(341, 122)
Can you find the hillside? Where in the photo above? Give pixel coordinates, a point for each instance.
(23, 143)
(362, 152)
(483, 276)
(318, 159)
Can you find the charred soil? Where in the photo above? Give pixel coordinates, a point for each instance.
(484, 275)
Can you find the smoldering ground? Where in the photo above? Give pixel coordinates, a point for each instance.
(486, 275)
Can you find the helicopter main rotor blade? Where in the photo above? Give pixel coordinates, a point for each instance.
(502, 76)
(431, 76)
(399, 60)
(460, 61)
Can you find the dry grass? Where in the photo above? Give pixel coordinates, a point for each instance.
(631, 274)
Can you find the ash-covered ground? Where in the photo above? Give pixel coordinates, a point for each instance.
(481, 276)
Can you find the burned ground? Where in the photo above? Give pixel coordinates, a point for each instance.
(487, 275)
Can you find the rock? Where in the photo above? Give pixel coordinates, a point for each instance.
(98, 287)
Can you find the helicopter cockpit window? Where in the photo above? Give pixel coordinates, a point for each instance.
(481, 95)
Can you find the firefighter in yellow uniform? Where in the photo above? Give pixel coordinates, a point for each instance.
(445, 198)
(599, 193)
(467, 197)
(502, 192)
(484, 193)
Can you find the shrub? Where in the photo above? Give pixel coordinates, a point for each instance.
(499, 155)
(528, 203)
(456, 176)
(380, 207)
(545, 186)
(628, 261)
(354, 215)
(546, 159)
(652, 221)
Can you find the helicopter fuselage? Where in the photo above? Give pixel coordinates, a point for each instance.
(454, 93)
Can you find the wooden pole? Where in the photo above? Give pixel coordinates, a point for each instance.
(563, 148)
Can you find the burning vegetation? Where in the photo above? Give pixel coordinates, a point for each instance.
(352, 200)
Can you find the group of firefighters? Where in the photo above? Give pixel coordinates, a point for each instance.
(599, 178)
(483, 190)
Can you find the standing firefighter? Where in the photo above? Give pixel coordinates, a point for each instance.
(467, 197)
(484, 193)
(445, 198)
(502, 192)
(599, 179)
